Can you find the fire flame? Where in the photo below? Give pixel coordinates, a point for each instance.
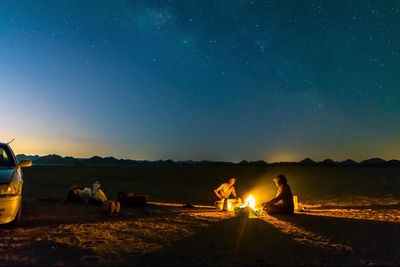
(250, 201)
(248, 208)
(230, 206)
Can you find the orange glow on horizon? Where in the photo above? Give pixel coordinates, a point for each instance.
(44, 146)
(282, 157)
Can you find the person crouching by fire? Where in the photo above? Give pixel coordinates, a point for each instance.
(283, 202)
(225, 191)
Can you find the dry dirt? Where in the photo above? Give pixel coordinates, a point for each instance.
(55, 232)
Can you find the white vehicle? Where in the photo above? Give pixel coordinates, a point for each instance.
(11, 185)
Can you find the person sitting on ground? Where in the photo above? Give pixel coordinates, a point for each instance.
(283, 202)
(225, 190)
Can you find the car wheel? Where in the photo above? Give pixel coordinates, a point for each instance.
(17, 219)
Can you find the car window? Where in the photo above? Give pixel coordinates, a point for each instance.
(3, 155)
(5, 159)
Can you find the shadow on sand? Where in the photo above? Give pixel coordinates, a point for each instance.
(284, 240)
(301, 239)
(242, 241)
(52, 254)
(57, 212)
(361, 207)
(374, 242)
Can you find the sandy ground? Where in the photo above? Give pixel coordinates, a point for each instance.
(55, 232)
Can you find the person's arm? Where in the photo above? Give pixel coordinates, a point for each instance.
(282, 194)
(273, 201)
(234, 192)
(216, 191)
(277, 198)
(219, 188)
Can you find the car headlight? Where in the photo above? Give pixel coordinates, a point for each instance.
(12, 188)
(3, 189)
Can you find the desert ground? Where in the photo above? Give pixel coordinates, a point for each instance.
(351, 217)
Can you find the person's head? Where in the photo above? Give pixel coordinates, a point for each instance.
(280, 180)
(232, 180)
(73, 193)
(78, 191)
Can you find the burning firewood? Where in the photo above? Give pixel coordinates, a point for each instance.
(247, 209)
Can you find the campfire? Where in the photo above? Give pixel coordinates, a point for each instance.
(248, 208)
(250, 201)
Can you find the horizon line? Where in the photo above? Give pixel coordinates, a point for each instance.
(307, 158)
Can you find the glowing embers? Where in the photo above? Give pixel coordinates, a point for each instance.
(247, 209)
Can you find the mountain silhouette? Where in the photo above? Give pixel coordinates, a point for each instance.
(96, 160)
(348, 162)
(373, 162)
(54, 159)
(393, 163)
(328, 162)
(259, 163)
(26, 157)
(307, 161)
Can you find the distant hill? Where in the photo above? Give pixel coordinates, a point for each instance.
(348, 162)
(307, 161)
(54, 159)
(258, 163)
(373, 162)
(328, 162)
(393, 163)
(96, 160)
(26, 157)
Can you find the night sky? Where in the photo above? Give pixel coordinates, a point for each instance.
(216, 80)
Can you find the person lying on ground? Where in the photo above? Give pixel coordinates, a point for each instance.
(86, 196)
(283, 202)
(112, 206)
(80, 194)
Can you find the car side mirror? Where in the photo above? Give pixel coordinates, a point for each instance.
(25, 163)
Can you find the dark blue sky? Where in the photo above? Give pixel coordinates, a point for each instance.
(217, 80)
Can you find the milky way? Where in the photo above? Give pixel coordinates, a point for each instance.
(217, 80)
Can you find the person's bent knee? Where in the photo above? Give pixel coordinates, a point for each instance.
(277, 209)
(269, 207)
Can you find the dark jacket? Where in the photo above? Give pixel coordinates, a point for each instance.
(284, 196)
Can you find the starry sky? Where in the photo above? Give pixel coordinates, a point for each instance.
(216, 80)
